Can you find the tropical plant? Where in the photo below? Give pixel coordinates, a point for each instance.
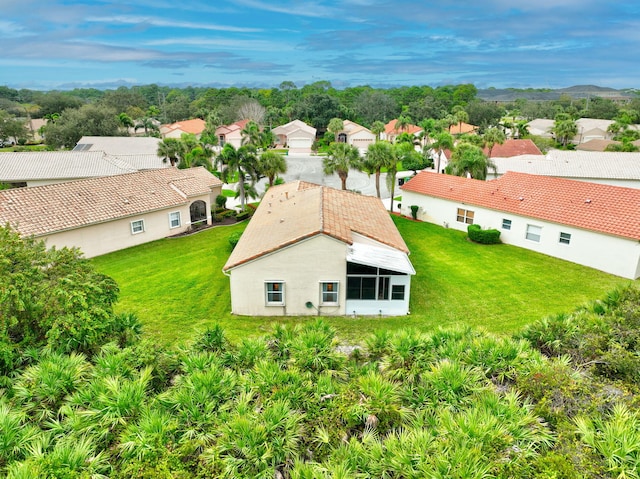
(491, 137)
(171, 150)
(469, 160)
(270, 164)
(443, 141)
(238, 162)
(341, 158)
(379, 156)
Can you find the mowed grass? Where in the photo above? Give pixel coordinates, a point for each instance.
(177, 289)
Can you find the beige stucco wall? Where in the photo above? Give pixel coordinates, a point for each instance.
(301, 266)
(611, 254)
(102, 238)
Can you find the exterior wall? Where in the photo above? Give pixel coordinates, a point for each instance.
(102, 238)
(611, 254)
(291, 265)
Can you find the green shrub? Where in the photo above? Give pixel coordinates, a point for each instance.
(478, 235)
(221, 201)
(243, 215)
(234, 238)
(414, 211)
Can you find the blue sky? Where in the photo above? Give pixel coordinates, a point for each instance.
(47, 44)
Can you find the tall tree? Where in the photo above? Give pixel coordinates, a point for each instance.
(379, 155)
(564, 128)
(492, 137)
(240, 162)
(270, 164)
(469, 160)
(171, 150)
(341, 158)
(377, 128)
(443, 141)
(251, 134)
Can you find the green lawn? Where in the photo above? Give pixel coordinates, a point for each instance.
(177, 288)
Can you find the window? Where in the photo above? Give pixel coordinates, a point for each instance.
(174, 219)
(329, 292)
(397, 291)
(565, 238)
(465, 216)
(137, 227)
(506, 224)
(368, 282)
(275, 293)
(533, 233)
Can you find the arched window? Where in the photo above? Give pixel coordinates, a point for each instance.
(198, 211)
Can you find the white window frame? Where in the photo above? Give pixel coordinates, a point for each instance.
(564, 238)
(465, 216)
(171, 225)
(506, 224)
(404, 292)
(134, 229)
(270, 290)
(534, 233)
(335, 292)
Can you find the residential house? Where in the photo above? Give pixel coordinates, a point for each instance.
(356, 135)
(35, 168)
(120, 145)
(105, 214)
(296, 135)
(175, 130)
(513, 147)
(231, 134)
(591, 224)
(391, 131)
(611, 168)
(462, 128)
(314, 250)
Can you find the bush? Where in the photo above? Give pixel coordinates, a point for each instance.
(234, 238)
(221, 201)
(243, 215)
(414, 211)
(478, 235)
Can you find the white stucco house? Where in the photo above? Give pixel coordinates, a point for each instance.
(231, 134)
(356, 135)
(315, 250)
(610, 168)
(591, 224)
(36, 168)
(105, 214)
(295, 135)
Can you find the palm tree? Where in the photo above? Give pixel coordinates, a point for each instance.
(443, 141)
(492, 137)
(335, 126)
(469, 160)
(170, 149)
(341, 158)
(402, 123)
(270, 164)
(461, 116)
(251, 134)
(241, 161)
(379, 155)
(564, 130)
(377, 127)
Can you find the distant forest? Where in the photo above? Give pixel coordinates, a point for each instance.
(318, 102)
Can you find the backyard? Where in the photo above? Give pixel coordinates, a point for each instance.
(177, 289)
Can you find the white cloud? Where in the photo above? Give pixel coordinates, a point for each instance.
(160, 22)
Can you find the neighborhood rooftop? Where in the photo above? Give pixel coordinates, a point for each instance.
(294, 211)
(42, 210)
(575, 164)
(47, 165)
(608, 209)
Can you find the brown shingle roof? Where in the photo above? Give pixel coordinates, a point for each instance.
(295, 211)
(42, 210)
(608, 209)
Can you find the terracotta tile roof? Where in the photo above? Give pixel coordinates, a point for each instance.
(195, 126)
(597, 144)
(603, 208)
(460, 128)
(390, 128)
(513, 148)
(295, 211)
(42, 210)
